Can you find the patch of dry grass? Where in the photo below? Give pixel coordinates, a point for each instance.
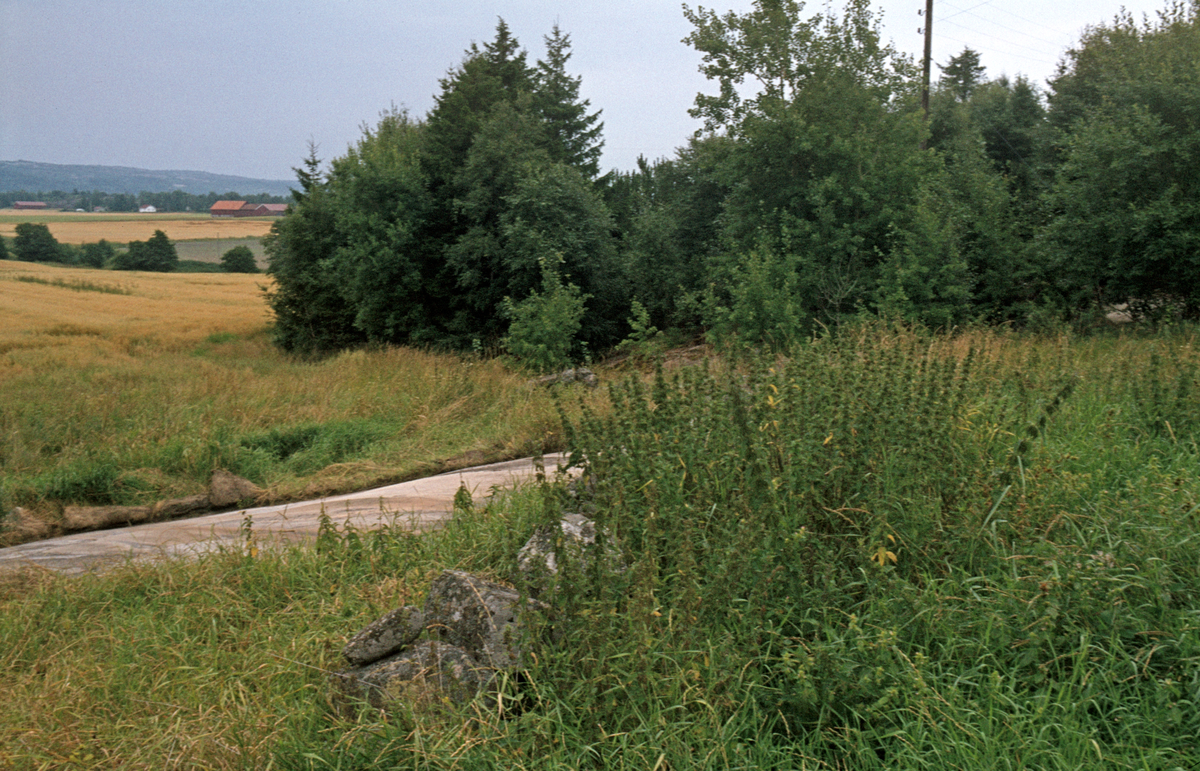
(134, 398)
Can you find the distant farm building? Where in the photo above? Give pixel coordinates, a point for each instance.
(29, 204)
(147, 209)
(243, 209)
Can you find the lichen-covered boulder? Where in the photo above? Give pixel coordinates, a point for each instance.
(479, 616)
(427, 673)
(389, 634)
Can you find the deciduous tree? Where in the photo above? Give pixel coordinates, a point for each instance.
(1126, 200)
(35, 243)
(97, 255)
(239, 259)
(154, 254)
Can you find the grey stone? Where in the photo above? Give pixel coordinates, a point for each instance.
(226, 489)
(479, 616)
(389, 634)
(427, 673)
(574, 536)
(575, 375)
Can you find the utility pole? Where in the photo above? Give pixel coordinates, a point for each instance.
(928, 63)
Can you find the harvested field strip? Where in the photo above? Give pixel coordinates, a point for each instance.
(121, 229)
(150, 309)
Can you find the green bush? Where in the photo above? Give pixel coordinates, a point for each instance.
(543, 327)
(155, 254)
(239, 259)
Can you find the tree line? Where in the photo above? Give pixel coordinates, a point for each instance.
(171, 201)
(35, 243)
(822, 196)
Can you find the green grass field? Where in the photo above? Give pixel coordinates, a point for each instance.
(212, 250)
(884, 550)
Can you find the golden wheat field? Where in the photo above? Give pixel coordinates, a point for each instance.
(54, 316)
(83, 228)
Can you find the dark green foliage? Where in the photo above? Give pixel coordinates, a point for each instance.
(554, 217)
(826, 172)
(543, 327)
(4, 255)
(155, 254)
(846, 538)
(1126, 200)
(384, 267)
(495, 74)
(573, 134)
(428, 232)
(97, 255)
(669, 214)
(34, 243)
(311, 313)
(239, 259)
(961, 74)
(507, 147)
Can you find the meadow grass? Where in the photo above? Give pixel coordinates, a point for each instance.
(212, 249)
(135, 397)
(884, 549)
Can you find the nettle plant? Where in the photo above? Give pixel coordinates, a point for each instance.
(760, 502)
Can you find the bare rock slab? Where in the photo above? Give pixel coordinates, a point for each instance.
(573, 539)
(391, 633)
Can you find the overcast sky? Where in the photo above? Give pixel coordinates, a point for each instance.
(241, 87)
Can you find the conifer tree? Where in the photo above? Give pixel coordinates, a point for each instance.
(573, 135)
(488, 76)
(962, 74)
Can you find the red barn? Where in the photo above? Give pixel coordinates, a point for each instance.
(227, 209)
(29, 205)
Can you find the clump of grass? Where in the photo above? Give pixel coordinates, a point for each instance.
(76, 285)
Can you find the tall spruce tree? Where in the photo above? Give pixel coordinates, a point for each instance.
(424, 229)
(312, 315)
(572, 134)
(496, 73)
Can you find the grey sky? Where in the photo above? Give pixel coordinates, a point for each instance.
(241, 87)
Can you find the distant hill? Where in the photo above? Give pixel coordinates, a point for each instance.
(34, 177)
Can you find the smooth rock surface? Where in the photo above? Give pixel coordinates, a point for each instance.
(97, 517)
(419, 504)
